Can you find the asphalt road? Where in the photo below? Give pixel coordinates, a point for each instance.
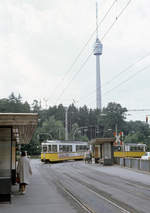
(71, 187)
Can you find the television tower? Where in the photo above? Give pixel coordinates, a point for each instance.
(97, 52)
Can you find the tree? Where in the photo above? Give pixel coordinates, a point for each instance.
(114, 117)
(36, 106)
(53, 128)
(14, 104)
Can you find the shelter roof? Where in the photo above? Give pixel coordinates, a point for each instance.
(98, 141)
(23, 125)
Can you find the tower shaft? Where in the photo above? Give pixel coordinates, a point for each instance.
(98, 84)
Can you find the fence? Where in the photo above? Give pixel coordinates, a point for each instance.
(135, 163)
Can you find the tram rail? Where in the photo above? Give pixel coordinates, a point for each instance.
(103, 197)
(82, 203)
(85, 206)
(76, 199)
(66, 183)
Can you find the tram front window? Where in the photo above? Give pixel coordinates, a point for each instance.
(44, 148)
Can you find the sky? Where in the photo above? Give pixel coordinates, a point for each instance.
(46, 52)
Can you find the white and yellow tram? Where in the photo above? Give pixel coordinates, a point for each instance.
(130, 150)
(54, 151)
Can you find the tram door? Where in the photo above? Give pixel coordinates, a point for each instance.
(5, 163)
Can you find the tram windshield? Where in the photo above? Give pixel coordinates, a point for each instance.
(44, 148)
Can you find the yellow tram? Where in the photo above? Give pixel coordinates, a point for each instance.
(130, 150)
(54, 151)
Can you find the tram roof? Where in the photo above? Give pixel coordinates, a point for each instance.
(65, 142)
(135, 144)
(23, 125)
(98, 141)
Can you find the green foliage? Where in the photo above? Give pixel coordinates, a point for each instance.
(14, 104)
(53, 127)
(51, 123)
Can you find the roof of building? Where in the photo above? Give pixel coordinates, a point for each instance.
(23, 125)
(98, 141)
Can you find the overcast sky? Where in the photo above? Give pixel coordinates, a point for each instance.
(40, 42)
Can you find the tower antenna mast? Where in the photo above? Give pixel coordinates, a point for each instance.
(96, 19)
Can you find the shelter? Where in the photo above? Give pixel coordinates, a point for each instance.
(15, 128)
(103, 150)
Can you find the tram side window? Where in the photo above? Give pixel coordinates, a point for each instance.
(44, 148)
(77, 148)
(140, 148)
(49, 148)
(54, 148)
(81, 148)
(70, 148)
(65, 148)
(60, 148)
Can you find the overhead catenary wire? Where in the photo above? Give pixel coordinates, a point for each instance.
(83, 48)
(105, 34)
(83, 64)
(126, 80)
(118, 75)
(126, 69)
(117, 17)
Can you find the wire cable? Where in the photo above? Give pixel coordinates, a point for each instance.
(82, 49)
(117, 17)
(126, 69)
(83, 64)
(121, 12)
(118, 75)
(126, 80)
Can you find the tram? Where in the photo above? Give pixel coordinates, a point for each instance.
(54, 151)
(130, 150)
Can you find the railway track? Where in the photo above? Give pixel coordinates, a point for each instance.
(82, 203)
(68, 185)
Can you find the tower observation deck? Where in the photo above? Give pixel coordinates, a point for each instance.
(97, 52)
